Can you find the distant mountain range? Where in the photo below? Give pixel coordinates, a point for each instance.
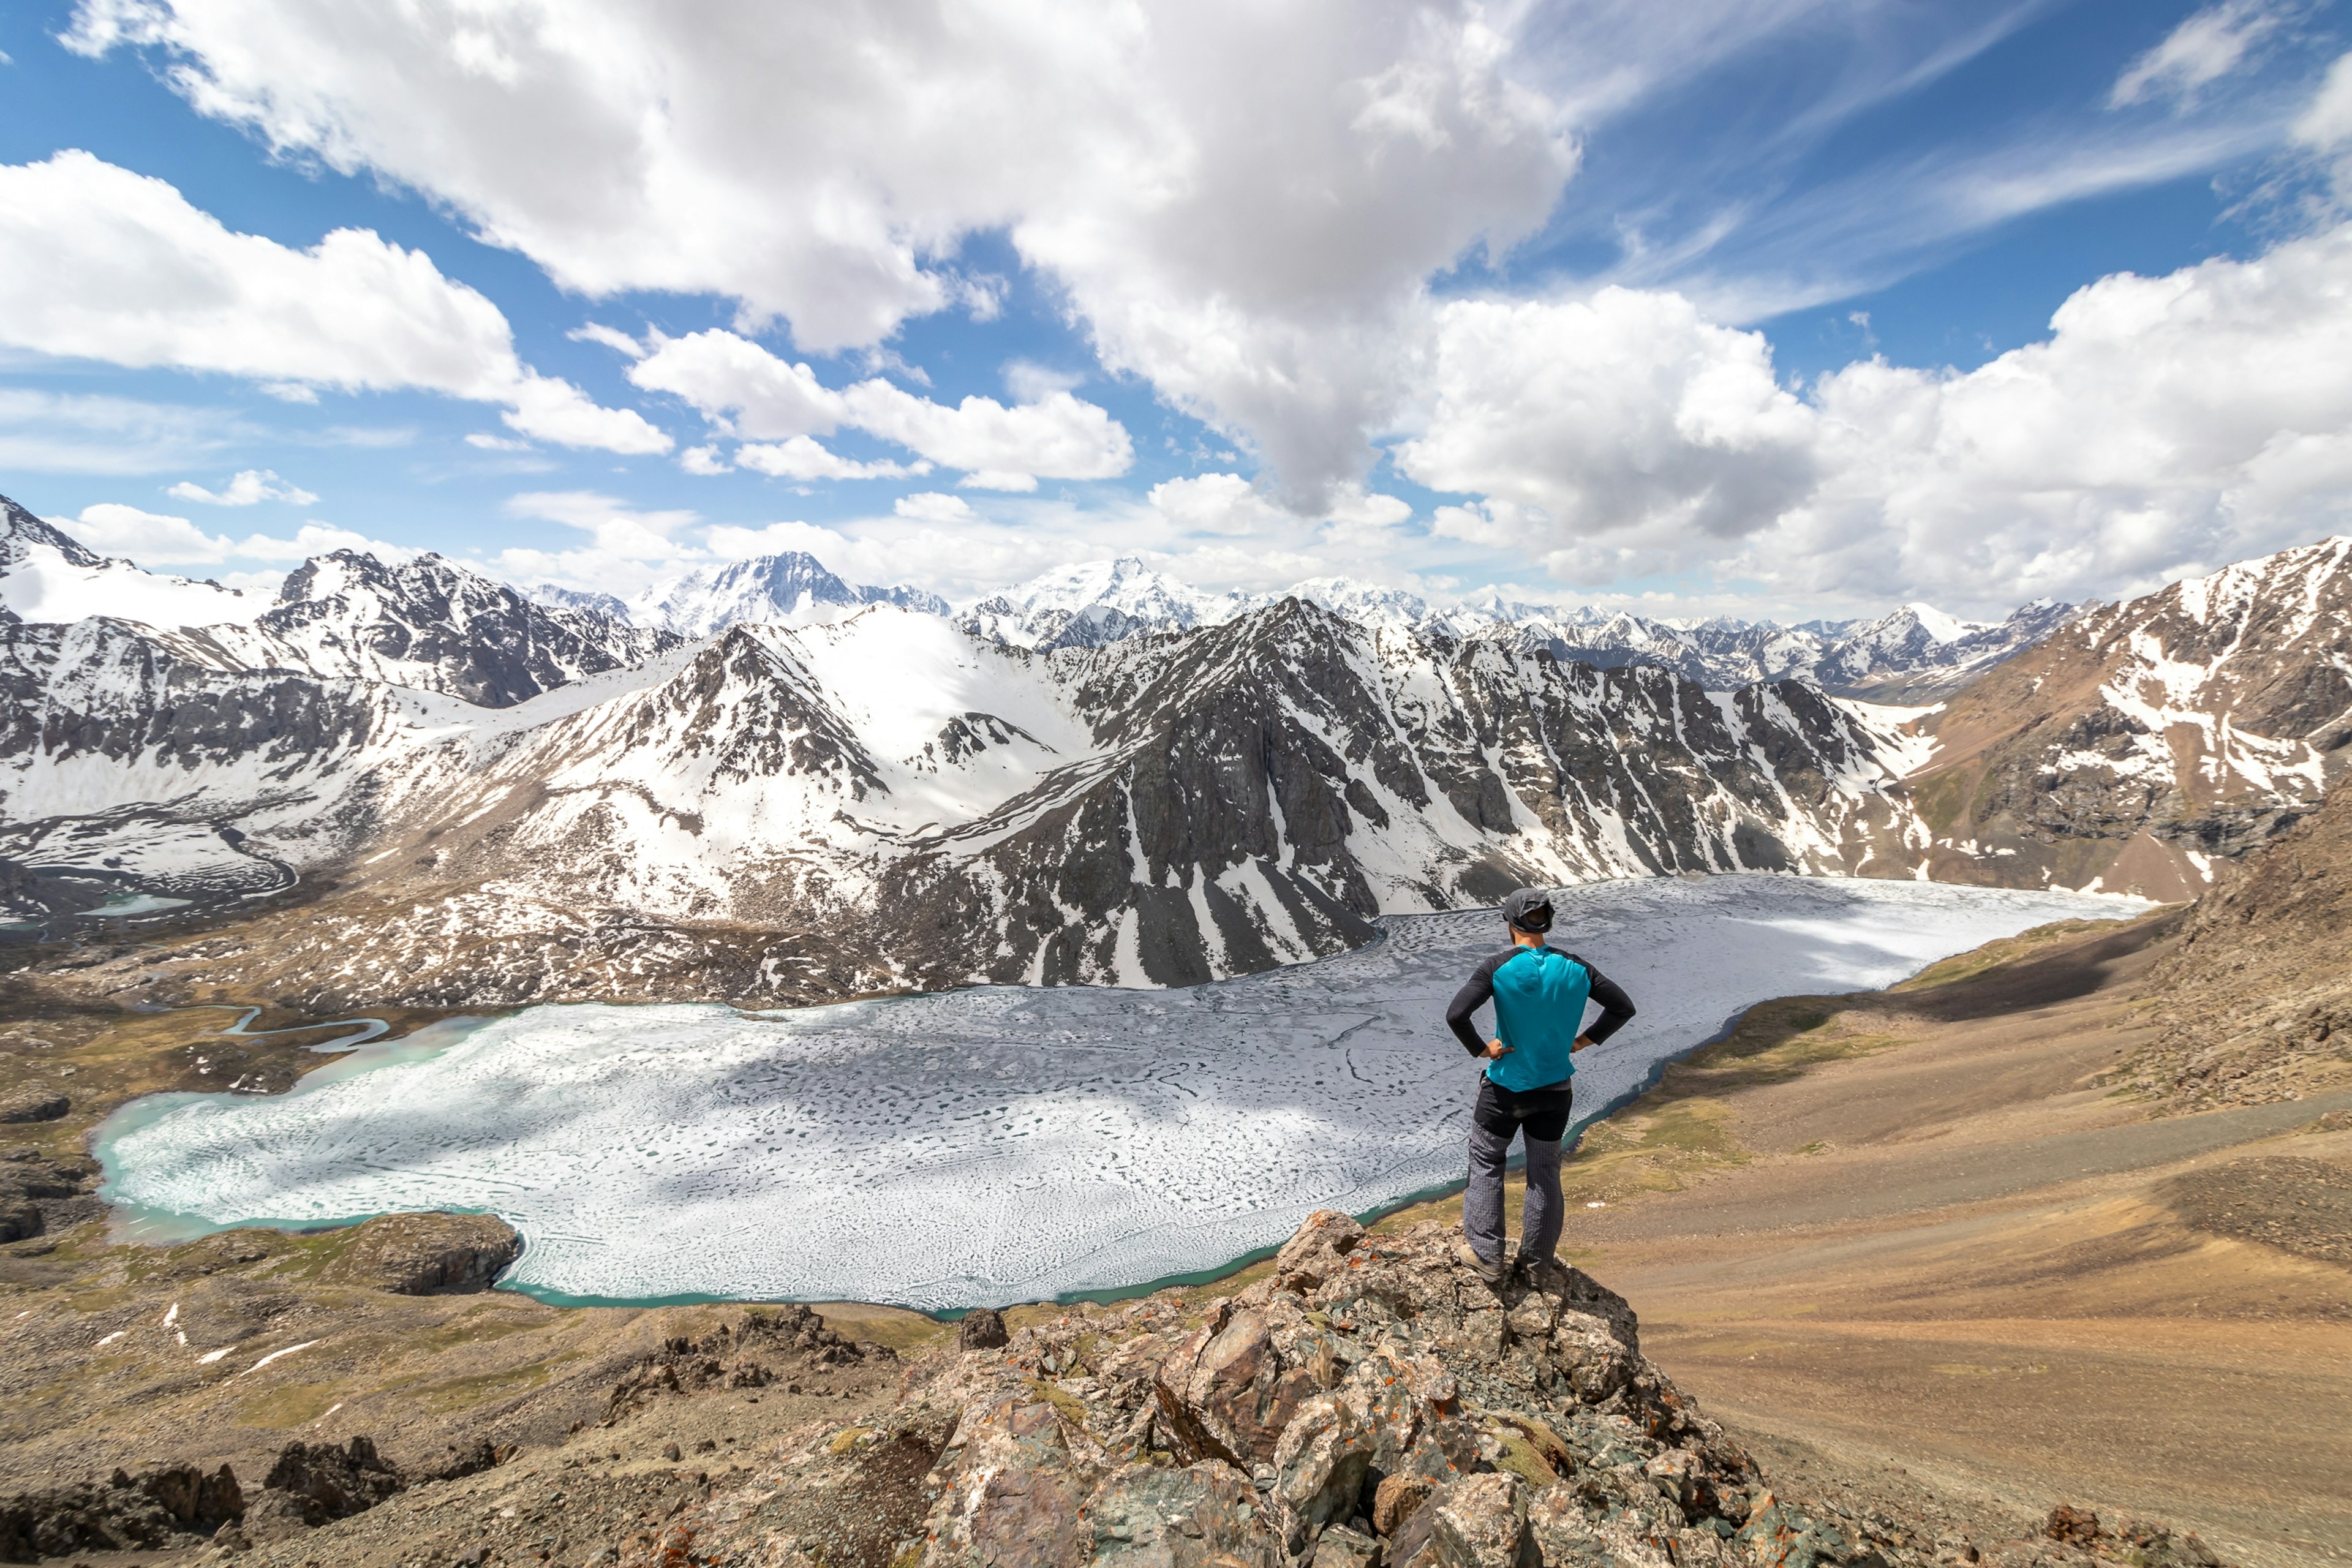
(1911, 653)
(478, 798)
(791, 589)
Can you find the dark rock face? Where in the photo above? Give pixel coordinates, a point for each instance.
(1282, 747)
(173, 1505)
(325, 1482)
(431, 624)
(981, 1329)
(427, 1254)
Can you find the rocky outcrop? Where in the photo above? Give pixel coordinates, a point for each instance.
(427, 1254)
(2135, 1541)
(33, 1102)
(314, 1484)
(320, 1481)
(1370, 1403)
(2254, 1003)
(755, 1350)
(981, 1329)
(170, 1505)
(38, 1194)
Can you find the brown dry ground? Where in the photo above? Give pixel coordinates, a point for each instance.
(1910, 1232)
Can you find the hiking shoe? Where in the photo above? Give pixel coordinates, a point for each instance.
(1535, 1272)
(1492, 1273)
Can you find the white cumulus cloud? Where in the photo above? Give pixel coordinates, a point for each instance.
(249, 487)
(1238, 199)
(152, 539)
(1631, 423)
(109, 265)
(625, 549)
(932, 506)
(157, 539)
(805, 457)
(743, 389)
(2166, 425)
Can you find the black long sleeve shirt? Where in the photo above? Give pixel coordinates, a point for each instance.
(1616, 1007)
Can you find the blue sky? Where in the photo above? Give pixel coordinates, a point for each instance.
(1742, 308)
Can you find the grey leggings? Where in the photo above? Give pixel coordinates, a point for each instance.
(1499, 1117)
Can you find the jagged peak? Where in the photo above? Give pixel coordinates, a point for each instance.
(19, 527)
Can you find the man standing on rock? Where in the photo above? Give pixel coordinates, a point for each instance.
(1539, 994)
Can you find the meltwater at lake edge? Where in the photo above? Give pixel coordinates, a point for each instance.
(999, 1144)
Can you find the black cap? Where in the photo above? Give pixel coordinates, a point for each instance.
(1529, 910)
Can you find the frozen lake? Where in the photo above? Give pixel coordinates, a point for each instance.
(995, 1145)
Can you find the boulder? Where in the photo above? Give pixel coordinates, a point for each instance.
(1480, 1521)
(198, 1501)
(1145, 1517)
(33, 1102)
(1317, 1251)
(425, 1254)
(1343, 1546)
(981, 1329)
(1230, 1389)
(1396, 1499)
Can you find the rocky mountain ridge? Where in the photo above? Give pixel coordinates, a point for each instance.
(498, 801)
(2145, 741)
(795, 813)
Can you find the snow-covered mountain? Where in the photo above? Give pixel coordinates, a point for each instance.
(1914, 654)
(48, 575)
(1093, 605)
(783, 814)
(789, 589)
(427, 624)
(2142, 742)
(504, 801)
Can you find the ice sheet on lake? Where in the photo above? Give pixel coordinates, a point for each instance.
(1003, 1144)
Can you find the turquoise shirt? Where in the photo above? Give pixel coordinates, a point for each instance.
(1539, 996)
